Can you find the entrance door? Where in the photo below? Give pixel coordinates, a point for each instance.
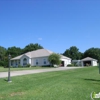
(62, 63)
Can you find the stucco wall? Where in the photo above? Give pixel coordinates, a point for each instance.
(22, 58)
(66, 62)
(94, 63)
(40, 61)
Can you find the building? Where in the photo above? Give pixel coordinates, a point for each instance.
(88, 61)
(37, 58)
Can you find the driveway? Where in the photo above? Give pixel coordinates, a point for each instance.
(25, 72)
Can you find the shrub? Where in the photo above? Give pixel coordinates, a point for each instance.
(54, 59)
(28, 65)
(70, 65)
(46, 66)
(2, 63)
(19, 66)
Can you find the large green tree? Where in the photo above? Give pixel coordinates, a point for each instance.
(2, 56)
(2, 53)
(93, 52)
(32, 47)
(13, 51)
(54, 59)
(73, 53)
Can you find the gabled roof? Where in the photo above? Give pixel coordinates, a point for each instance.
(64, 57)
(88, 58)
(18, 57)
(37, 53)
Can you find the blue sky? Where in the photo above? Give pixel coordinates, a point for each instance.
(54, 24)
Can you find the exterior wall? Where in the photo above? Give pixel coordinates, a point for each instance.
(78, 62)
(40, 61)
(22, 58)
(82, 64)
(66, 62)
(94, 63)
(14, 63)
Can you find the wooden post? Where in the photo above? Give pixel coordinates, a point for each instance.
(99, 67)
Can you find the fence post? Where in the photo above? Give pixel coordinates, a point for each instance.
(99, 67)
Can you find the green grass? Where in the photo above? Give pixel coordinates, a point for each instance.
(2, 69)
(74, 84)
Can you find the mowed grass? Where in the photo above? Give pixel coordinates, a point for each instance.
(2, 69)
(74, 84)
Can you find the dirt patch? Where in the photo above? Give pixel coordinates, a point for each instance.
(16, 93)
(1, 97)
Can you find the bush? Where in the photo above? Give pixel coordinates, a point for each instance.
(33, 66)
(70, 65)
(28, 65)
(19, 66)
(2, 63)
(46, 66)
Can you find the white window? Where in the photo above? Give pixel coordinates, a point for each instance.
(36, 62)
(44, 61)
(11, 63)
(18, 61)
(24, 61)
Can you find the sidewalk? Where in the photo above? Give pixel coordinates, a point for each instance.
(25, 72)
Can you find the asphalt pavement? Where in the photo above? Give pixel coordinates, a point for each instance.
(25, 72)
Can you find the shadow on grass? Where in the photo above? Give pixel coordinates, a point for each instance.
(92, 80)
(6, 80)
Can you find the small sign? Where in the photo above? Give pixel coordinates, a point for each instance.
(95, 95)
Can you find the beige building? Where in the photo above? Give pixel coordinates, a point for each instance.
(37, 58)
(88, 61)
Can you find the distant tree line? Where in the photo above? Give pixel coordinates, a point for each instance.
(73, 52)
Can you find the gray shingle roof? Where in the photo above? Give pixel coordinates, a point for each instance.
(38, 53)
(88, 58)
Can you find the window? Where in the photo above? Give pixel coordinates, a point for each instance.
(11, 63)
(19, 61)
(44, 61)
(24, 61)
(36, 62)
(16, 62)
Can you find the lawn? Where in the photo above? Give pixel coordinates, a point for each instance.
(2, 69)
(74, 84)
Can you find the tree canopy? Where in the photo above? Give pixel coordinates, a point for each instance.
(93, 52)
(54, 59)
(2, 52)
(13, 51)
(73, 52)
(31, 47)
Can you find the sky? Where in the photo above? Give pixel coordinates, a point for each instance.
(54, 24)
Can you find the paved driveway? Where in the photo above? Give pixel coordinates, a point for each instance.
(24, 72)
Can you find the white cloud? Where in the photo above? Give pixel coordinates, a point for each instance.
(40, 39)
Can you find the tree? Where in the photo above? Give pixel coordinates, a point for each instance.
(73, 52)
(2, 56)
(54, 59)
(14, 51)
(2, 52)
(93, 52)
(32, 47)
